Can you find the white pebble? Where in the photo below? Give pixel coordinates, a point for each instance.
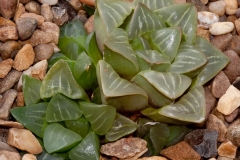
(220, 28)
(49, 2)
(231, 6)
(206, 19)
(218, 7)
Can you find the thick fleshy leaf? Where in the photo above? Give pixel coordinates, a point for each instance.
(119, 54)
(144, 126)
(121, 127)
(96, 96)
(46, 156)
(101, 117)
(59, 79)
(72, 39)
(32, 117)
(183, 16)
(216, 61)
(61, 108)
(143, 20)
(88, 149)
(118, 92)
(166, 41)
(58, 139)
(140, 43)
(80, 126)
(155, 4)
(54, 58)
(188, 61)
(31, 90)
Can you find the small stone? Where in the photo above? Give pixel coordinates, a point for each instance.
(223, 18)
(6, 155)
(33, 7)
(5, 66)
(224, 158)
(238, 13)
(235, 44)
(81, 16)
(6, 103)
(124, 148)
(46, 12)
(89, 25)
(212, 159)
(218, 7)
(230, 118)
(8, 7)
(43, 51)
(40, 37)
(55, 47)
(204, 1)
(237, 25)
(210, 101)
(231, 6)
(27, 72)
(29, 157)
(88, 2)
(8, 30)
(180, 151)
(227, 149)
(26, 26)
(236, 83)
(50, 3)
(232, 70)
(229, 101)
(136, 155)
(77, 5)
(3, 135)
(6, 147)
(24, 1)
(9, 81)
(8, 49)
(220, 84)
(39, 69)
(203, 33)
(153, 158)
(233, 132)
(20, 99)
(231, 18)
(23, 139)
(60, 15)
(24, 58)
(11, 124)
(214, 123)
(222, 41)
(19, 11)
(206, 19)
(218, 114)
(40, 19)
(199, 5)
(52, 29)
(220, 28)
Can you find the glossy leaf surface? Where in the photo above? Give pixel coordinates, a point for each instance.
(56, 57)
(101, 117)
(155, 4)
(61, 108)
(46, 156)
(58, 139)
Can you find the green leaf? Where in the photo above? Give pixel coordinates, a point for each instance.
(118, 92)
(61, 108)
(216, 61)
(183, 16)
(80, 126)
(59, 139)
(144, 126)
(31, 90)
(155, 4)
(89, 9)
(119, 54)
(59, 79)
(72, 39)
(101, 117)
(46, 156)
(32, 117)
(96, 96)
(151, 151)
(54, 58)
(121, 127)
(88, 149)
(140, 43)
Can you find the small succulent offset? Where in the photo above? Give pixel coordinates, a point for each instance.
(142, 56)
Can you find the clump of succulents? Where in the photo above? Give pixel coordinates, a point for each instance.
(142, 56)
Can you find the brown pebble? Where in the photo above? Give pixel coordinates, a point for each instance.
(19, 11)
(33, 7)
(43, 51)
(5, 66)
(89, 25)
(26, 26)
(8, 7)
(39, 18)
(46, 12)
(20, 99)
(8, 49)
(7, 155)
(222, 41)
(230, 118)
(8, 82)
(203, 33)
(227, 149)
(40, 37)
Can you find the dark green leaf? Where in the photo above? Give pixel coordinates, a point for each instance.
(144, 126)
(46, 156)
(56, 57)
(155, 4)
(96, 96)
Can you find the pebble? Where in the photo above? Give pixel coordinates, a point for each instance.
(214, 123)
(77, 5)
(20, 99)
(9, 81)
(153, 158)
(180, 151)
(232, 70)
(46, 12)
(6, 155)
(24, 1)
(24, 140)
(6, 147)
(233, 132)
(33, 7)
(8, 30)
(27, 72)
(236, 83)
(3, 135)
(24, 58)
(89, 25)
(218, 7)
(6, 103)
(5, 66)
(237, 25)
(43, 51)
(8, 7)
(230, 118)
(231, 18)
(52, 2)
(218, 114)
(227, 149)
(40, 19)
(222, 41)
(40, 37)
(231, 6)
(206, 19)
(220, 84)
(39, 70)
(203, 33)
(90, 2)
(235, 44)
(199, 5)
(19, 11)
(10, 124)
(223, 18)
(8, 49)
(224, 158)
(52, 29)
(238, 13)
(26, 26)
(29, 157)
(60, 15)
(220, 28)
(210, 101)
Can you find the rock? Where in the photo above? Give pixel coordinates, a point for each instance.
(229, 101)
(60, 15)
(232, 70)
(218, 7)
(33, 7)
(214, 123)
(235, 44)
(222, 41)
(223, 158)
(180, 151)
(230, 118)
(46, 12)
(236, 83)
(153, 158)
(238, 13)
(90, 2)
(51, 29)
(24, 58)
(81, 16)
(52, 2)
(89, 25)
(40, 37)
(39, 70)
(6, 147)
(20, 99)
(231, 6)
(233, 132)
(210, 101)
(220, 84)
(23, 139)
(55, 47)
(43, 51)
(203, 33)
(124, 148)
(27, 72)
(77, 5)
(9, 81)
(6, 155)
(227, 149)
(40, 19)
(3, 135)
(237, 25)
(8, 49)
(199, 5)
(231, 18)
(206, 19)
(26, 26)
(204, 1)
(24, 1)
(8, 7)
(19, 11)
(8, 30)
(218, 114)
(223, 18)
(29, 157)
(5, 66)
(220, 28)
(10, 124)
(6, 103)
